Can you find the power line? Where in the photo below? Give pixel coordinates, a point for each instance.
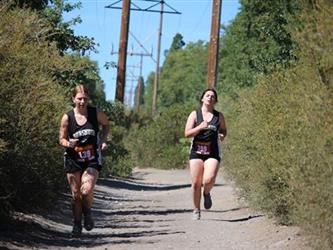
(122, 56)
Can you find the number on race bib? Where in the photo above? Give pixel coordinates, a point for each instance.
(85, 153)
(202, 148)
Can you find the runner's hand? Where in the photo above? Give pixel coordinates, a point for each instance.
(104, 146)
(203, 124)
(72, 143)
(221, 136)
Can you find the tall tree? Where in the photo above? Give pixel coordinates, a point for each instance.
(177, 43)
(183, 74)
(256, 42)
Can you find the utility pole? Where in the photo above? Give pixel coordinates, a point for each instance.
(130, 53)
(150, 9)
(121, 70)
(157, 72)
(138, 94)
(213, 52)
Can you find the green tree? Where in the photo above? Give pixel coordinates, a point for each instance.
(177, 43)
(279, 150)
(148, 94)
(183, 75)
(33, 4)
(256, 42)
(62, 33)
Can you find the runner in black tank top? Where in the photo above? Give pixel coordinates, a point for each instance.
(85, 154)
(207, 127)
(79, 135)
(206, 144)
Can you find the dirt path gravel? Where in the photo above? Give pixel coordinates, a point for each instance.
(153, 211)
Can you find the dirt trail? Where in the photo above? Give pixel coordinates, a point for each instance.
(153, 211)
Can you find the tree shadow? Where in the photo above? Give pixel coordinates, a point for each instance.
(113, 225)
(136, 186)
(119, 219)
(246, 218)
(34, 235)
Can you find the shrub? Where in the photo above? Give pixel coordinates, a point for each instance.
(158, 144)
(281, 143)
(31, 105)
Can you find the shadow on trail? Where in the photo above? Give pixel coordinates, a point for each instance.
(238, 219)
(34, 235)
(136, 186)
(148, 212)
(226, 210)
(117, 222)
(232, 210)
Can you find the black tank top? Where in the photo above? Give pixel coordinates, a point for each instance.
(86, 134)
(207, 139)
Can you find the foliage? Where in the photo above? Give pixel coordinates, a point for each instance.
(31, 104)
(61, 33)
(177, 43)
(158, 143)
(33, 4)
(148, 94)
(279, 149)
(35, 82)
(76, 69)
(117, 161)
(314, 174)
(118, 126)
(58, 31)
(256, 43)
(139, 92)
(183, 75)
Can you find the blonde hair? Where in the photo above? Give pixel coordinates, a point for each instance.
(80, 89)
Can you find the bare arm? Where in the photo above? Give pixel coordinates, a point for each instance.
(223, 128)
(103, 120)
(190, 129)
(63, 134)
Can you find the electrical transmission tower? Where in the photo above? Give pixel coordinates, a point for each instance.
(126, 7)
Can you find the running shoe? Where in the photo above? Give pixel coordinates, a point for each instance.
(88, 220)
(196, 214)
(77, 229)
(207, 201)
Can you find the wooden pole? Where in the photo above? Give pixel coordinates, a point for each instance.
(121, 70)
(213, 51)
(157, 73)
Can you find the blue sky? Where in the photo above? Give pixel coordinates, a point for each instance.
(104, 25)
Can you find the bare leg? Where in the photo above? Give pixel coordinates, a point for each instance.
(74, 180)
(89, 178)
(196, 168)
(211, 167)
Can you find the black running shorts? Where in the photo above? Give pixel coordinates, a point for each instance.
(194, 155)
(71, 166)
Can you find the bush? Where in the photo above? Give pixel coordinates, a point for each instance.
(159, 143)
(281, 143)
(31, 106)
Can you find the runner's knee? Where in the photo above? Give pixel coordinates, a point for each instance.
(209, 180)
(86, 188)
(76, 195)
(197, 184)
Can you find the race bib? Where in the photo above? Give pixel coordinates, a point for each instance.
(202, 148)
(85, 153)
